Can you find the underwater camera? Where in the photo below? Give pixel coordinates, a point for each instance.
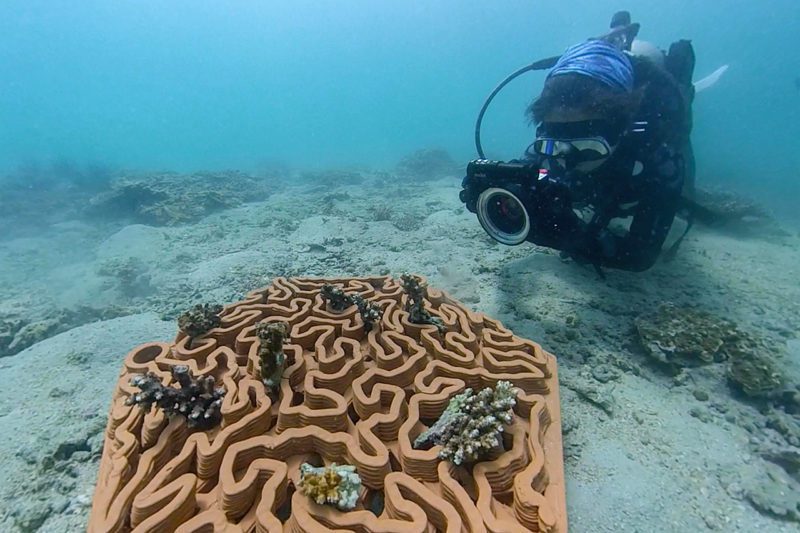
(500, 193)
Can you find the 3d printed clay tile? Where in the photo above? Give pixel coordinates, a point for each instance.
(346, 396)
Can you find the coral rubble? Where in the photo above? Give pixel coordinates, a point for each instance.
(199, 320)
(428, 163)
(197, 400)
(170, 198)
(346, 396)
(684, 336)
(753, 372)
(337, 485)
(130, 275)
(732, 209)
(17, 334)
(470, 428)
(408, 222)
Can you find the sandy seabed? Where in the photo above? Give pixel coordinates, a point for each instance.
(645, 450)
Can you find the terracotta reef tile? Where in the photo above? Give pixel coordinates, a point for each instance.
(346, 396)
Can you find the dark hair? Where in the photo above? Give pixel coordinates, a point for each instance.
(580, 92)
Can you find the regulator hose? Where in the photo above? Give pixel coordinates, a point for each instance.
(622, 34)
(542, 64)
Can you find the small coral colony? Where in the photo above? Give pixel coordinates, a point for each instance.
(469, 430)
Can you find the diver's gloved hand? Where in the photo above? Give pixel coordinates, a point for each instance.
(469, 194)
(550, 200)
(592, 249)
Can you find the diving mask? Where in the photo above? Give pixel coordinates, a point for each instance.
(576, 150)
(577, 142)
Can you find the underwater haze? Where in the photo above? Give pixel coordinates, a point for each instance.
(190, 85)
(157, 155)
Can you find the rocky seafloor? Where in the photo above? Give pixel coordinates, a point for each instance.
(679, 385)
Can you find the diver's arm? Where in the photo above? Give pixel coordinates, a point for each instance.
(639, 249)
(659, 201)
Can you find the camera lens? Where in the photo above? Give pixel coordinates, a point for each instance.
(503, 216)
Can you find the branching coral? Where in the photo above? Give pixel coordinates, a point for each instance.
(199, 320)
(198, 400)
(416, 293)
(335, 297)
(370, 312)
(338, 301)
(271, 336)
(470, 428)
(381, 212)
(337, 485)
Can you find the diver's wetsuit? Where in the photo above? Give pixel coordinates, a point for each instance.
(643, 178)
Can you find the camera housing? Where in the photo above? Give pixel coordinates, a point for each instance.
(500, 193)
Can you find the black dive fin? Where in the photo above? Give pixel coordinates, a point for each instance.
(694, 211)
(620, 18)
(672, 251)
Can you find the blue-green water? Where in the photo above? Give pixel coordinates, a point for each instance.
(90, 266)
(201, 84)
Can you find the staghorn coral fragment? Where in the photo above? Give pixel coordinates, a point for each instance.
(370, 312)
(416, 291)
(346, 397)
(272, 336)
(338, 301)
(470, 428)
(197, 400)
(335, 297)
(199, 320)
(337, 485)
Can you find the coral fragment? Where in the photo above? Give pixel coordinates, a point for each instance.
(470, 428)
(337, 485)
(197, 400)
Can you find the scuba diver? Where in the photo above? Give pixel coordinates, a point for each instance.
(612, 141)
